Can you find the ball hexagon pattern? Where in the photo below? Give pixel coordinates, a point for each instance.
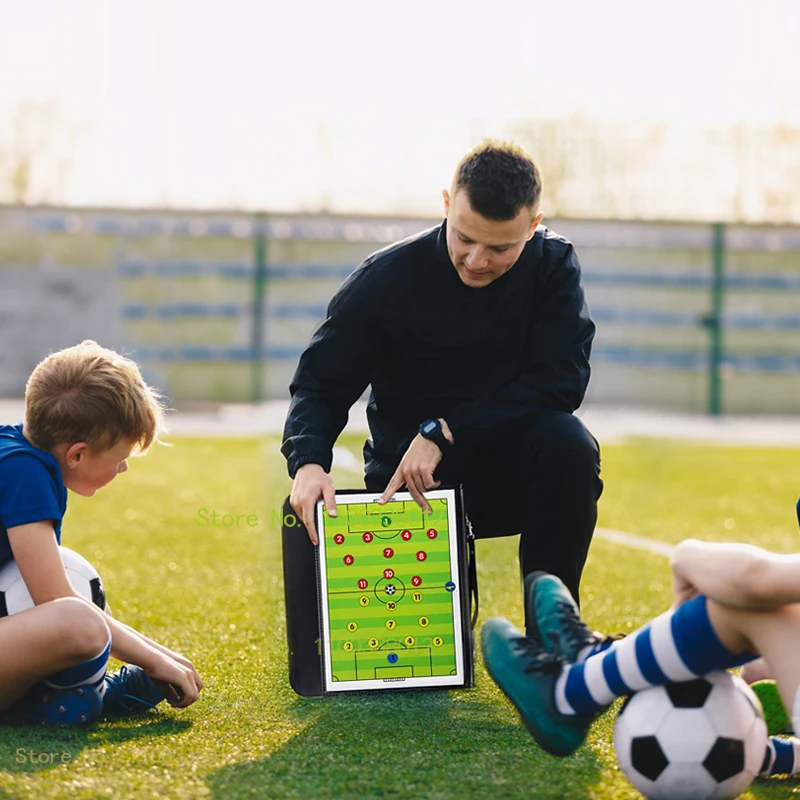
(700, 740)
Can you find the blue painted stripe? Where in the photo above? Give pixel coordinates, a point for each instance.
(646, 659)
(134, 311)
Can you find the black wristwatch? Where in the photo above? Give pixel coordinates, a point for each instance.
(432, 429)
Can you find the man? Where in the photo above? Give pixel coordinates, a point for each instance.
(475, 339)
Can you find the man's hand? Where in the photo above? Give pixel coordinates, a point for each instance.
(416, 472)
(311, 483)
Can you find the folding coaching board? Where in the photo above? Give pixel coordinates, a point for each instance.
(392, 590)
(392, 593)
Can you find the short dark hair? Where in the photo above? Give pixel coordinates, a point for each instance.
(500, 178)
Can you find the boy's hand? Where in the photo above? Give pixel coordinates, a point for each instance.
(181, 684)
(683, 589)
(311, 483)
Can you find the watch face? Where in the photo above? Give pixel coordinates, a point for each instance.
(429, 426)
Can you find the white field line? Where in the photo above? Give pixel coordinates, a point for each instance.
(347, 461)
(631, 540)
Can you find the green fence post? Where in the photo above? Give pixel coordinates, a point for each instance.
(259, 295)
(715, 320)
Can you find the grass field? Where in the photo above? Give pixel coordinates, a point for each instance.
(215, 593)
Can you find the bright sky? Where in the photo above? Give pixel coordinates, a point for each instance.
(362, 104)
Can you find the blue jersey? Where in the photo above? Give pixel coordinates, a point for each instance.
(31, 486)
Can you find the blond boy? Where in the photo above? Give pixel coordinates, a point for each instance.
(87, 409)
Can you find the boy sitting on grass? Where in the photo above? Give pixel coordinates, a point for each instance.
(87, 409)
(732, 601)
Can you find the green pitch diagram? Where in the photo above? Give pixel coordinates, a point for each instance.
(390, 591)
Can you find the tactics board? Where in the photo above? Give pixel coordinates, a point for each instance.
(394, 604)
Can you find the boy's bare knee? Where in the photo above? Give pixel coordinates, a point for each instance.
(83, 631)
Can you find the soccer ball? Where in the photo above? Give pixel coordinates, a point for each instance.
(14, 595)
(699, 740)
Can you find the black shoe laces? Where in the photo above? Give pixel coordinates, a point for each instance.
(573, 627)
(538, 659)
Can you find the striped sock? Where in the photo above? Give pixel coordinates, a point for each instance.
(87, 673)
(679, 645)
(782, 757)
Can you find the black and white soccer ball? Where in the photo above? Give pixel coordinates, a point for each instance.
(704, 739)
(390, 588)
(14, 594)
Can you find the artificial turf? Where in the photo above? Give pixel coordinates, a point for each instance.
(214, 592)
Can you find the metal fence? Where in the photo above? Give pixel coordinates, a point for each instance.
(219, 306)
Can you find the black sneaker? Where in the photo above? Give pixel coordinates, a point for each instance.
(553, 618)
(130, 691)
(43, 705)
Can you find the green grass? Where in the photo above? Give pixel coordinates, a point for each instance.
(215, 593)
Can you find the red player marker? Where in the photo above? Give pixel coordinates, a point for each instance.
(339, 538)
(416, 581)
(388, 552)
(367, 537)
(432, 533)
(388, 574)
(405, 535)
(348, 560)
(421, 555)
(362, 584)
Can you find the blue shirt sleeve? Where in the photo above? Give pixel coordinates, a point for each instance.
(27, 492)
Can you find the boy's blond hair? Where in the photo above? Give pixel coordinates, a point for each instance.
(88, 393)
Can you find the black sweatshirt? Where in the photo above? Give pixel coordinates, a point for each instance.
(483, 359)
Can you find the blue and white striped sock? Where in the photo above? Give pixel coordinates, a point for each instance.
(679, 645)
(782, 757)
(87, 673)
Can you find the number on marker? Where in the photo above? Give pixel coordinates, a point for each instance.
(416, 581)
(391, 605)
(423, 622)
(391, 624)
(438, 641)
(409, 640)
(362, 584)
(339, 538)
(432, 533)
(367, 537)
(347, 647)
(421, 555)
(388, 552)
(352, 627)
(363, 601)
(417, 597)
(373, 643)
(388, 574)
(348, 560)
(405, 535)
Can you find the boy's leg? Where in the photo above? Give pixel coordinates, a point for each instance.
(55, 662)
(775, 634)
(558, 701)
(45, 640)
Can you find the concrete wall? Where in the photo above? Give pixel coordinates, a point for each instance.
(175, 290)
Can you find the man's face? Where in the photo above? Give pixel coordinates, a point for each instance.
(484, 249)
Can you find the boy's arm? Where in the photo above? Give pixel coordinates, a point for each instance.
(737, 575)
(36, 552)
